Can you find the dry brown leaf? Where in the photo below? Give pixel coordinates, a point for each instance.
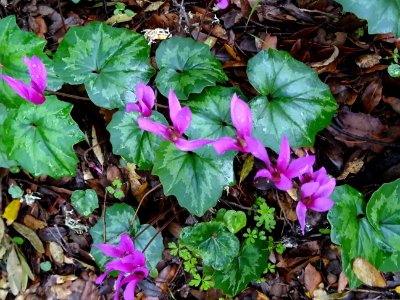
(312, 278)
(372, 95)
(270, 42)
(30, 235)
(343, 281)
(56, 252)
(368, 60)
(367, 273)
(393, 102)
(34, 223)
(232, 52)
(329, 60)
(154, 6)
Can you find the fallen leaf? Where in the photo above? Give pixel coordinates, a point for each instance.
(312, 278)
(372, 95)
(119, 18)
(270, 42)
(56, 252)
(329, 60)
(11, 211)
(34, 223)
(368, 60)
(232, 52)
(367, 273)
(154, 6)
(247, 167)
(96, 147)
(30, 235)
(393, 102)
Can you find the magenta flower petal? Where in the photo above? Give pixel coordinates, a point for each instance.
(263, 173)
(24, 90)
(321, 204)
(257, 149)
(186, 145)
(326, 189)
(284, 155)
(111, 250)
(37, 71)
(301, 211)
(222, 4)
(101, 278)
(131, 106)
(309, 188)
(283, 183)
(300, 166)
(126, 244)
(129, 292)
(224, 144)
(146, 98)
(174, 106)
(118, 285)
(182, 120)
(241, 116)
(156, 128)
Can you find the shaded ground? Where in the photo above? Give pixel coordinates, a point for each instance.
(361, 142)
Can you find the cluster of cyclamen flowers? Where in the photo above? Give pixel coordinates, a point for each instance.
(316, 186)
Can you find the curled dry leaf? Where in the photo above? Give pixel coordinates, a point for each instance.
(329, 60)
(30, 235)
(367, 273)
(372, 95)
(56, 252)
(368, 60)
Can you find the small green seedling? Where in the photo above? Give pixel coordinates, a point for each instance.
(115, 189)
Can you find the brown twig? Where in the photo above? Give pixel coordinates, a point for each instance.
(141, 201)
(68, 95)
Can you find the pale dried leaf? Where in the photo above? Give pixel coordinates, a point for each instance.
(368, 60)
(15, 273)
(30, 235)
(154, 6)
(2, 229)
(367, 273)
(329, 60)
(96, 147)
(312, 278)
(56, 252)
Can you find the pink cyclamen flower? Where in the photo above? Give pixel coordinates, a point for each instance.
(284, 171)
(131, 264)
(244, 141)
(145, 96)
(222, 4)
(181, 119)
(33, 92)
(315, 192)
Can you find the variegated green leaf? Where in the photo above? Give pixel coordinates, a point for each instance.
(247, 266)
(152, 240)
(109, 61)
(382, 15)
(211, 113)
(212, 242)
(293, 101)
(187, 67)
(41, 138)
(197, 178)
(131, 142)
(15, 44)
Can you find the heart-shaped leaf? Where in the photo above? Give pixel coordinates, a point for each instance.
(212, 242)
(382, 15)
(15, 44)
(109, 61)
(235, 220)
(41, 138)
(211, 113)
(197, 178)
(352, 229)
(383, 211)
(131, 142)
(187, 67)
(118, 221)
(85, 201)
(293, 102)
(247, 266)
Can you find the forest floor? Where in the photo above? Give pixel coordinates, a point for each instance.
(359, 148)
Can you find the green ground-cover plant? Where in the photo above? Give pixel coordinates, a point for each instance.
(192, 152)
